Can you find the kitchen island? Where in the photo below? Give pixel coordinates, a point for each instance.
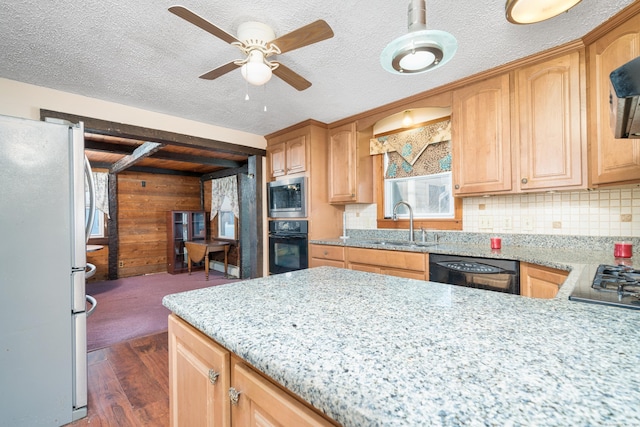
(369, 349)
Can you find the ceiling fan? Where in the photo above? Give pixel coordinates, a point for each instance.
(258, 42)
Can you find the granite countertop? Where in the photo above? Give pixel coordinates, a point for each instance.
(579, 256)
(375, 350)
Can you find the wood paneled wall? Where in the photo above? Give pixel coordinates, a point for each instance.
(143, 202)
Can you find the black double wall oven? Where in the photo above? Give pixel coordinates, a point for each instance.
(288, 242)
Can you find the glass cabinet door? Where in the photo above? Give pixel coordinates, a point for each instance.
(198, 229)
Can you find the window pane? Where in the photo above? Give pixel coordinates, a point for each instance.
(226, 225)
(97, 228)
(430, 196)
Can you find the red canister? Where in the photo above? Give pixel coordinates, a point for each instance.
(622, 249)
(496, 243)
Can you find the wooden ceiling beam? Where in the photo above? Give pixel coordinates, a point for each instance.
(143, 151)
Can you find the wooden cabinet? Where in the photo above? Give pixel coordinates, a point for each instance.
(350, 166)
(301, 151)
(549, 103)
(261, 403)
(199, 378)
(288, 157)
(410, 265)
(183, 226)
(324, 255)
(531, 138)
(481, 137)
(537, 281)
(209, 386)
(612, 160)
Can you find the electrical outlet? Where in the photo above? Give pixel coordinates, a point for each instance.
(486, 222)
(120, 263)
(507, 224)
(527, 223)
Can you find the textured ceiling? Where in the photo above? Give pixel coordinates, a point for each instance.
(139, 54)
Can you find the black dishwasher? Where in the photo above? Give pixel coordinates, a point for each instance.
(500, 275)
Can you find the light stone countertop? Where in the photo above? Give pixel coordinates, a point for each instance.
(376, 350)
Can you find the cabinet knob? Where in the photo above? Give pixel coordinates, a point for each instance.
(213, 376)
(457, 187)
(326, 253)
(234, 395)
(524, 180)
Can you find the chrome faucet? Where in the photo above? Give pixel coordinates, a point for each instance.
(395, 217)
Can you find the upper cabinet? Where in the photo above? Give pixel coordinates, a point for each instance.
(612, 160)
(288, 157)
(522, 131)
(551, 144)
(350, 166)
(481, 137)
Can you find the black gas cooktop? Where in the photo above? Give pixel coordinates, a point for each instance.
(617, 285)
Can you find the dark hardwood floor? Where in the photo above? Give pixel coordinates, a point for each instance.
(129, 384)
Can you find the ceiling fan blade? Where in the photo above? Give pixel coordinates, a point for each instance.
(291, 77)
(197, 20)
(304, 36)
(224, 69)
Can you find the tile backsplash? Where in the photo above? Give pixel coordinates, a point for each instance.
(610, 212)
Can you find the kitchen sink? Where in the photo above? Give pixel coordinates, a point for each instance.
(402, 243)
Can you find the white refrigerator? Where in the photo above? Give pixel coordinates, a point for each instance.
(43, 350)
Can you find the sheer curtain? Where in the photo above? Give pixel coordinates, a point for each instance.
(101, 183)
(221, 188)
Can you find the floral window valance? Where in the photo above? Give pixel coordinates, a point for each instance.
(425, 150)
(224, 188)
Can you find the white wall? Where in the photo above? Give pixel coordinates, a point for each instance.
(608, 212)
(25, 100)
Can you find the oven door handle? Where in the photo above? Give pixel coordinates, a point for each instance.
(288, 236)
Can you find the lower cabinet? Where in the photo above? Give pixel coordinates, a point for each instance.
(199, 378)
(209, 386)
(261, 403)
(410, 265)
(325, 255)
(537, 281)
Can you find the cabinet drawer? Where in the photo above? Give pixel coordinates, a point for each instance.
(327, 252)
(384, 258)
(320, 262)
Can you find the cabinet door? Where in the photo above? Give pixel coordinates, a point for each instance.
(296, 157)
(552, 149)
(612, 160)
(199, 378)
(277, 162)
(261, 403)
(537, 281)
(481, 141)
(342, 164)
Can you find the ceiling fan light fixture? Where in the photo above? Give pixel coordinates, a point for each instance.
(256, 71)
(420, 50)
(532, 11)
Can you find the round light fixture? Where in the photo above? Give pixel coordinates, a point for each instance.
(255, 70)
(531, 11)
(418, 52)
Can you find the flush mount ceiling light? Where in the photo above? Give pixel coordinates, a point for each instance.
(420, 50)
(531, 11)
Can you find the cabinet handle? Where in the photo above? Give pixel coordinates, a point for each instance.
(524, 180)
(326, 253)
(213, 376)
(457, 187)
(234, 395)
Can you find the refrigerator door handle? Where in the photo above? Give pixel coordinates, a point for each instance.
(92, 197)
